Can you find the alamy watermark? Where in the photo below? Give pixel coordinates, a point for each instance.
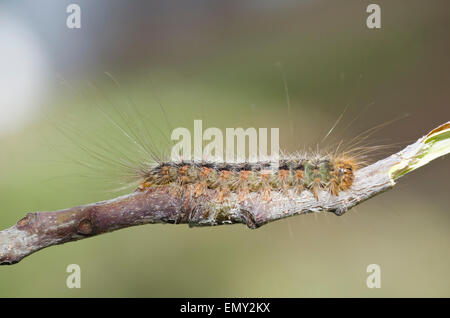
(235, 143)
(73, 20)
(374, 19)
(374, 279)
(74, 279)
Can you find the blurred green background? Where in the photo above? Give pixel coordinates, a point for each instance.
(223, 62)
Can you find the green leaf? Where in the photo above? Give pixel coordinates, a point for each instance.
(434, 145)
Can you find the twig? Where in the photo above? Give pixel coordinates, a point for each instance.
(42, 229)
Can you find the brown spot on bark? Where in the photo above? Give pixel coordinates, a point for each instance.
(85, 227)
(27, 219)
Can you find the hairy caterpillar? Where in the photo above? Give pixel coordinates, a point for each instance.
(297, 174)
(312, 171)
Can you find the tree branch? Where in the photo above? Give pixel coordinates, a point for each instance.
(42, 229)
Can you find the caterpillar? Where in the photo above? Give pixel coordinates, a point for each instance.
(311, 171)
(334, 174)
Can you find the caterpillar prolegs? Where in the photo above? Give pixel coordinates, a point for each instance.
(294, 174)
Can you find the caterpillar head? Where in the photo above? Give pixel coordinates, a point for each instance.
(344, 173)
